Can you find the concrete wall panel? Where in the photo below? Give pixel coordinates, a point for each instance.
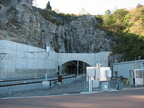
(20, 60)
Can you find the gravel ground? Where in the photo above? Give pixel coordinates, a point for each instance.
(75, 86)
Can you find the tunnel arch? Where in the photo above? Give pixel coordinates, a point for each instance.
(74, 67)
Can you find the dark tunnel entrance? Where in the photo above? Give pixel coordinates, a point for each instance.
(74, 67)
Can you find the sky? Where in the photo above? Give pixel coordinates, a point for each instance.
(94, 7)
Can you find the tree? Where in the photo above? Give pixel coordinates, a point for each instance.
(109, 21)
(107, 12)
(131, 46)
(119, 15)
(139, 5)
(48, 6)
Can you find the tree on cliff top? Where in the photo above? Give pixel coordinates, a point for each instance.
(48, 6)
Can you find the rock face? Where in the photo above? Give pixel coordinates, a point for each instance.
(20, 23)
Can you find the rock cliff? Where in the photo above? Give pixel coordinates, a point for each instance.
(19, 22)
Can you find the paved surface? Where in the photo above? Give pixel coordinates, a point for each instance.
(119, 99)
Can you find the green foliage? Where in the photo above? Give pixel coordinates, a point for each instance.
(48, 6)
(48, 15)
(109, 22)
(142, 17)
(129, 29)
(126, 19)
(58, 19)
(107, 12)
(142, 12)
(115, 22)
(131, 46)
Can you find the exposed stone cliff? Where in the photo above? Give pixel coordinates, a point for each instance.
(20, 23)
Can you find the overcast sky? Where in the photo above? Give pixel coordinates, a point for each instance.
(93, 7)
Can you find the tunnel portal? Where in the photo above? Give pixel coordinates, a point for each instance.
(74, 67)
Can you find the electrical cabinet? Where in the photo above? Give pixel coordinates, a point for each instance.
(103, 74)
(90, 71)
(98, 77)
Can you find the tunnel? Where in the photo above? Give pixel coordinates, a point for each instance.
(74, 67)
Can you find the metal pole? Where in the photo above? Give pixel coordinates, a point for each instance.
(83, 68)
(46, 77)
(77, 67)
(90, 84)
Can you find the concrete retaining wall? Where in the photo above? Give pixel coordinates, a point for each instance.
(20, 60)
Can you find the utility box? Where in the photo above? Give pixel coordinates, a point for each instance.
(136, 77)
(95, 83)
(108, 73)
(104, 86)
(119, 85)
(98, 77)
(97, 74)
(103, 74)
(91, 71)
